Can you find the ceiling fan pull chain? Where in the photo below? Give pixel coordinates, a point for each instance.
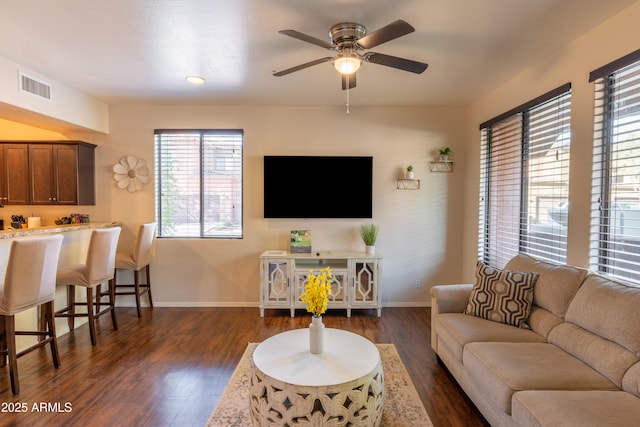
(348, 93)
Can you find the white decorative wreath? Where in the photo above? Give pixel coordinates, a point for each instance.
(131, 173)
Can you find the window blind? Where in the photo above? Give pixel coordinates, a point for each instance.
(615, 200)
(524, 166)
(199, 183)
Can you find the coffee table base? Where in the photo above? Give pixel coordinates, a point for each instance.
(355, 403)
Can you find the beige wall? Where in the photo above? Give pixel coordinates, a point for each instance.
(614, 38)
(428, 235)
(420, 230)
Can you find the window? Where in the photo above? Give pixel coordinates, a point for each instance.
(199, 183)
(615, 200)
(524, 167)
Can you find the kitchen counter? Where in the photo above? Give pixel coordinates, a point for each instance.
(73, 251)
(53, 229)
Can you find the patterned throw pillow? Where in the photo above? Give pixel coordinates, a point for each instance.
(501, 295)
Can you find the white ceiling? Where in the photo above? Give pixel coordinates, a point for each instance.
(140, 51)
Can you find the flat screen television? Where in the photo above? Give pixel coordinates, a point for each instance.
(318, 186)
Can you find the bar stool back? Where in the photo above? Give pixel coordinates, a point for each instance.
(136, 261)
(30, 281)
(98, 269)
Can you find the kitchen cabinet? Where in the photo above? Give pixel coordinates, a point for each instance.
(14, 174)
(62, 173)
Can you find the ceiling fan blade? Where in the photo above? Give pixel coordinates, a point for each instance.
(395, 62)
(349, 79)
(306, 38)
(302, 66)
(392, 31)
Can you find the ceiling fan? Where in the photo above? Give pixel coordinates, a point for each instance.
(350, 40)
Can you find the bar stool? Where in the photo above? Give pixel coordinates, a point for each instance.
(98, 268)
(30, 281)
(136, 261)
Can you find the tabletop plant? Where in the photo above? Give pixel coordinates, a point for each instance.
(369, 234)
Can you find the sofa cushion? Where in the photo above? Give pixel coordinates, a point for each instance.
(556, 284)
(501, 295)
(607, 357)
(542, 321)
(609, 309)
(457, 329)
(631, 380)
(501, 369)
(575, 408)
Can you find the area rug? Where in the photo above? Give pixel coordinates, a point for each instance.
(402, 405)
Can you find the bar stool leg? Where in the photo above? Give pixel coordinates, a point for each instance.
(90, 314)
(112, 302)
(48, 314)
(147, 271)
(10, 331)
(3, 341)
(136, 287)
(71, 306)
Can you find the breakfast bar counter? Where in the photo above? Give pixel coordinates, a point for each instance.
(74, 251)
(52, 229)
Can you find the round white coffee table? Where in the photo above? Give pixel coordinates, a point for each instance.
(342, 386)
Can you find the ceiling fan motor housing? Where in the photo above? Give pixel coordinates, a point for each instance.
(347, 33)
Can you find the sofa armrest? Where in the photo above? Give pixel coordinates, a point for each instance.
(447, 299)
(450, 298)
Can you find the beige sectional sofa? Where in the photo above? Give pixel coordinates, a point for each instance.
(577, 363)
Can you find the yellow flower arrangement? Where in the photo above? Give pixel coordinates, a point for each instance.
(317, 291)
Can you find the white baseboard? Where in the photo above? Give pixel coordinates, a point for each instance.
(256, 304)
(407, 304)
(205, 304)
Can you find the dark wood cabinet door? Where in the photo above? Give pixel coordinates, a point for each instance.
(15, 175)
(41, 172)
(3, 180)
(65, 159)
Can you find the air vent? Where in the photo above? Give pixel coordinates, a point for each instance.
(35, 87)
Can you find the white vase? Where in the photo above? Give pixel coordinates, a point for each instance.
(370, 249)
(409, 175)
(316, 335)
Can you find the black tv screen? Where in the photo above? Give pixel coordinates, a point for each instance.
(318, 187)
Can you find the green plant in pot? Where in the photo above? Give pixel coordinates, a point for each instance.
(369, 234)
(444, 153)
(409, 174)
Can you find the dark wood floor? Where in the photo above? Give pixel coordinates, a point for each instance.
(170, 367)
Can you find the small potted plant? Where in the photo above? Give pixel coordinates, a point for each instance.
(409, 174)
(369, 234)
(444, 153)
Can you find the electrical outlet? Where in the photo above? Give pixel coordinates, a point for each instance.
(417, 284)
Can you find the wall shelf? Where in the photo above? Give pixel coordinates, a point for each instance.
(442, 166)
(408, 184)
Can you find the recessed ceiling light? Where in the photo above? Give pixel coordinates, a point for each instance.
(195, 80)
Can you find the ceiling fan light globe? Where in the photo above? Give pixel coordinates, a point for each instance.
(195, 80)
(347, 64)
